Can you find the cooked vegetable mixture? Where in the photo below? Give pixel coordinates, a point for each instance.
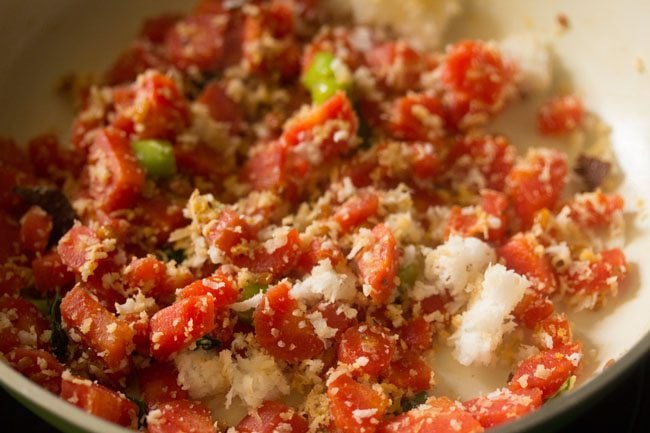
(262, 211)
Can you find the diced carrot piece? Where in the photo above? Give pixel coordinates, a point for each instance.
(158, 384)
(547, 370)
(348, 399)
(410, 372)
(39, 366)
(503, 406)
(180, 416)
(356, 210)
(488, 221)
(282, 328)
(273, 416)
(221, 286)
(35, 230)
(27, 325)
(367, 349)
(560, 115)
(440, 415)
(115, 177)
(318, 249)
(99, 401)
(50, 273)
(181, 324)
(110, 337)
(536, 183)
(521, 254)
(377, 264)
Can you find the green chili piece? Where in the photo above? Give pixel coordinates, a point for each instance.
(156, 157)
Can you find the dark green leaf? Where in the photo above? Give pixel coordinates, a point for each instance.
(142, 411)
(207, 343)
(411, 403)
(59, 337)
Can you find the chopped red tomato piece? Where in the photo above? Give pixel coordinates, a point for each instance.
(13, 278)
(145, 273)
(560, 115)
(50, 273)
(536, 183)
(554, 331)
(488, 221)
(533, 308)
(99, 401)
(367, 349)
(181, 324)
(377, 264)
(156, 28)
(39, 366)
(158, 384)
(417, 117)
(282, 328)
(115, 178)
(417, 335)
(337, 41)
(278, 262)
(330, 129)
(525, 255)
(26, 325)
(10, 235)
(336, 315)
(503, 406)
(317, 250)
(180, 416)
(153, 107)
(50, 160)
(221, 286)
(35, 230)
(220, 106)
(355, 407)
(138, 57)
(76, 245)
(265, 168)
(602, 276)
(273, 416)
(110, 337)
(356, 210)
(397, 65)
(476, 71)
(227, 230)
(410, 372)
(485, 159)
(595, 209)
(440, 415)
(547, 370)
(197, 41)
(425, 160)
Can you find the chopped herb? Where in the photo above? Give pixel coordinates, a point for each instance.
(55, 203)
(252, 289)
(411, 403)
(207, 343)
(565, 387)
(43, 305)
(142, 411)
(408, 274)
(173, 254)
(59, 337)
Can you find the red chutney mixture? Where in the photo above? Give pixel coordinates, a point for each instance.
(263, 209)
